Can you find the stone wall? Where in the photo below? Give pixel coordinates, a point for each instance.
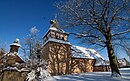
(13, 75)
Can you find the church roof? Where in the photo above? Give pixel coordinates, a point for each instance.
(15, 54)
(81, 52)
(57, 41)
(16, 43)
(54, 27)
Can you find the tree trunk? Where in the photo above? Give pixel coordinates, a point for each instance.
(113, 60)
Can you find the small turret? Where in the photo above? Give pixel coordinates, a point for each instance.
(14, 46)
(12, 58)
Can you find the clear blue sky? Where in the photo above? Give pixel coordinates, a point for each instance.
(18, 16)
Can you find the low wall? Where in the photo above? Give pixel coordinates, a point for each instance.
(13, 75)
(101, 68)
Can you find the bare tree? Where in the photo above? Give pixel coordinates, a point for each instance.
(30, 42)
(31, 46)
(99, 22)
(3, 46)
(2, 52)
(124, 45)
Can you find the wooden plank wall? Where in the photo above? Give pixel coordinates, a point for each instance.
(59, 58)
(101, 68)
(79, 65)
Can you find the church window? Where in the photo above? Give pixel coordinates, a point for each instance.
(62, 38)
(48, 35)
(45, 39)
(57, 36)
(65, 38)
(53, 34)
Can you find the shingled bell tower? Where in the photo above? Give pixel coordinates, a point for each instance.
(57, 49)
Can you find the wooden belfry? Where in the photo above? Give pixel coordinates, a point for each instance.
(57, 50)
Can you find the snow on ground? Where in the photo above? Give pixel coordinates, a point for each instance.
(94, 76)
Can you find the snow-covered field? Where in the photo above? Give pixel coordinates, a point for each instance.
(94, 76)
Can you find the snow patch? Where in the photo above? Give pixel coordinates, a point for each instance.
(122, 62)
(95, 76)
(56, 40)
(15, 44)
(11, 68)
(100, 62)
(56, 29)
(115, 74)
(43, 73)
(81, 52)
(12, 54)
(31, 76)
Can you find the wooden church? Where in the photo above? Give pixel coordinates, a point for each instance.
(62, 57)
(57, 50)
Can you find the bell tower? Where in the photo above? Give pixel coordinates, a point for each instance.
(57, 49)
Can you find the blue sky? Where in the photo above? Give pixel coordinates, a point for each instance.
(18, 16)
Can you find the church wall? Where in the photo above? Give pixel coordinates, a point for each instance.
(102, 68)
(58, 58)
(45, 51)
(80, 65)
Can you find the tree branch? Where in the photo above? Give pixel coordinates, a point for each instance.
(87, 35)
(115, 13)
(121, 33)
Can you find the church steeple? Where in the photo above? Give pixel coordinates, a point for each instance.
(56, 49)
(55, 33)
(55, 25)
